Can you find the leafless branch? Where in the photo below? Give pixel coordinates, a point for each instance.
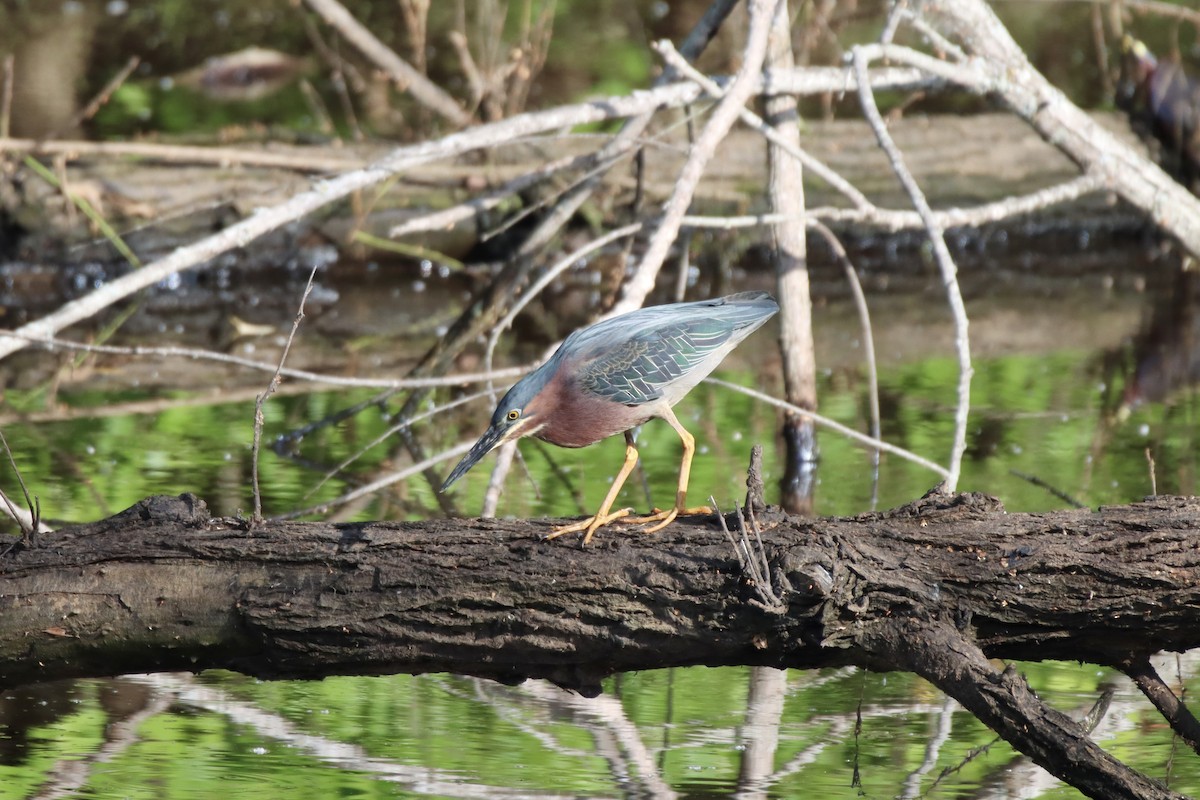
(379, 483)
(29, 518)
(868, 337)
(945, 264)
(719, 122)
(270, 390)
(52, 344)
(826, 422)
(815, 165)
(424, 90)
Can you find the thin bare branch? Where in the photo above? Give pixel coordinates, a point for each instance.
(52, 344)
(1155, 7)
(868, 338)
(826, 422)
(945, 262)
(270, 390)
(183, 154)
(424, 90)
(30, 517)
(391, 431)
(380, 483)
(896, 219)
(404, 158)
(810, 162)
(721, 120)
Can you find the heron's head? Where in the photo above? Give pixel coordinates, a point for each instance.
(520, 413)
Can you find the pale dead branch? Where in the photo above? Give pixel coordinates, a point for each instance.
(945, 263)
(406, 77)
(52, 344)
(719, 122)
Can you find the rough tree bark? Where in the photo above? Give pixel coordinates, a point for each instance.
(936, 587)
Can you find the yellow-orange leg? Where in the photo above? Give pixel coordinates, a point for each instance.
(665, 518)
(603, 517)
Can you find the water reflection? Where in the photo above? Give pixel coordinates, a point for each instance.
(1166, 353)
(671, 733)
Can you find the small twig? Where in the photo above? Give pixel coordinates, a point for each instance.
(271, 387)
(75, 150)
(414, 251)
(318, 109)
(868, 336)
(466, 63)
(449, 217)
(897, 14)
(1153, 473)
(380, 483)
(896, 219)
(387, 434)
(834, 426)
(1180, 12)
(939, 42)
(87, 208)
(29, 521)
(753, 559)
(52, 343)
(588, 178)
(1036, 481)
(343, 76)
(1099, 41)
(971, 755)
(941, 253)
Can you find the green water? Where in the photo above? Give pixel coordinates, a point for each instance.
(681, 731)
(1039, 415)
(684, 732)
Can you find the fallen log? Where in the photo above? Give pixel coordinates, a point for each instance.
(935, 587)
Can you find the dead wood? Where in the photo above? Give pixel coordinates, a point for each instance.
(935, 587)
(165, 586)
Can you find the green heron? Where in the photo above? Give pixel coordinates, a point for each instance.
(613, 376)
(1163, 104)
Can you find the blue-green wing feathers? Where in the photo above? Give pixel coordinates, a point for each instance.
(641, 357)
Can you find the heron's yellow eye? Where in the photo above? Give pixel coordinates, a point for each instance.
(514, 415)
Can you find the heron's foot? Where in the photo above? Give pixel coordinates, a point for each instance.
(665, 518)
(589, 525)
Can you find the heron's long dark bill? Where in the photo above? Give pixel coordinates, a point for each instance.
(488, 442)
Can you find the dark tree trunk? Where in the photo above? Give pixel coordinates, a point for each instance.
(935, 587)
